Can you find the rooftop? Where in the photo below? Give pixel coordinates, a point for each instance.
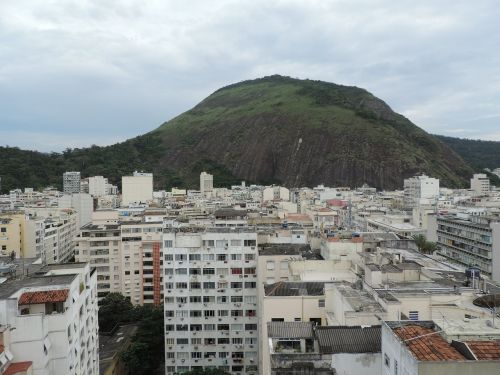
(352, 339)
(426, 344)
(283, 249)
(32, 298)
(17, 367)
(485, 350)
(290, 288)
(290, 330)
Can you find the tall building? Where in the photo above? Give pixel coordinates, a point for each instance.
(127, 258)
(82, 203)
(206, 182)
(137, 189)
(420, 190)
(480, 184)
(71, 182)
(52, 315)
(210, 288)
(473, 241)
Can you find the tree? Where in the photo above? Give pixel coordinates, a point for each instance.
(424, 246)
(146, 354)
(114, 309)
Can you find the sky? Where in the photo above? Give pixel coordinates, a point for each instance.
(78, 72)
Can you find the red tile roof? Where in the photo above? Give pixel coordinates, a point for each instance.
(429, 346)
(17, 367)
(484, 350)
(31, 298)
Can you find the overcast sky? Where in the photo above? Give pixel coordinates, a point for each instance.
(76, 73)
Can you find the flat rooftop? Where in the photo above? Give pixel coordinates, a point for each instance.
(290, 288)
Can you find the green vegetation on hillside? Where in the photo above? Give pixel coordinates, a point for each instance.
(479, 154)
(270, 130)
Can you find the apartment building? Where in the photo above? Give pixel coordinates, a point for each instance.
(137, 189)
(470, 241)
(480, 184)
(53, 319)
(206, 182)
(59, 234)
(210, 287)
(100, 245)
(71, 182)
(127, 257)
(420, 189)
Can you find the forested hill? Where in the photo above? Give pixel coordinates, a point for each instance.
(479, 154)
(270, 130)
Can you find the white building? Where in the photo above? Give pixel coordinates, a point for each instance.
(137, 188)
(206, 182)
(53, 319)
(82, 203)
(71, 182)
(420, 190)
(276, 193)
(480, 184)
(210, 287)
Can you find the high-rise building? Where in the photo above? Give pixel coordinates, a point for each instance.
(71, 182)
(420, 190)
(137, 189)
(210, 288)
(53, 318)
(480, 184)
(206, 182)
(472, 241)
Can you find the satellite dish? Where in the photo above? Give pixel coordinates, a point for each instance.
(489, 301)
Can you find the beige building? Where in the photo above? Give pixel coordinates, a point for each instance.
(288, 302)
(137, 189)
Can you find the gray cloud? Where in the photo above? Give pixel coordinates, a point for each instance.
(74, 73)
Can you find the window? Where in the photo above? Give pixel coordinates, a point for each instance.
(250, 284)
(270, 265)
(180, 257)
(168, 243)
(236, 271)
(208, 271)
(284, 265)
(413, 315)
(209, 327)
(195, 271)
(194, 257)
(208, 257)
(250, 271)
(181, 271)
(182, 341)
(321, 303)
(3, 230)
(168, 257)
(195, 299)
(195, 285)
(236, 299)
(235, 256)
(181, 285)
(235, 242)
(208, 285)
(249, 256)
(249, 243)
(395, 367)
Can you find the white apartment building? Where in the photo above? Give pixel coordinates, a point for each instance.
(71, 182)
(206, 182)
(59, 233)
(480, 184)
(420, 190)
(210, 287)
(53, 319)
(275, 193)
(82, 203)
(137, 188)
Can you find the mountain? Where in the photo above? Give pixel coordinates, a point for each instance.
(270, 130)
(479, 154)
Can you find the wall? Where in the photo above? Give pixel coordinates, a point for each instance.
(358, 363)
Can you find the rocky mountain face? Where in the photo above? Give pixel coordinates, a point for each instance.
(274, 130)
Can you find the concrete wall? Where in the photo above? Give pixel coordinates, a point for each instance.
(358, 363)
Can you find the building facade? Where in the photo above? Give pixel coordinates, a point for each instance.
(210, 287)
(71, 182)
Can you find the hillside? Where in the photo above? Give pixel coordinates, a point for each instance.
(269, 130)
(479, 154)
